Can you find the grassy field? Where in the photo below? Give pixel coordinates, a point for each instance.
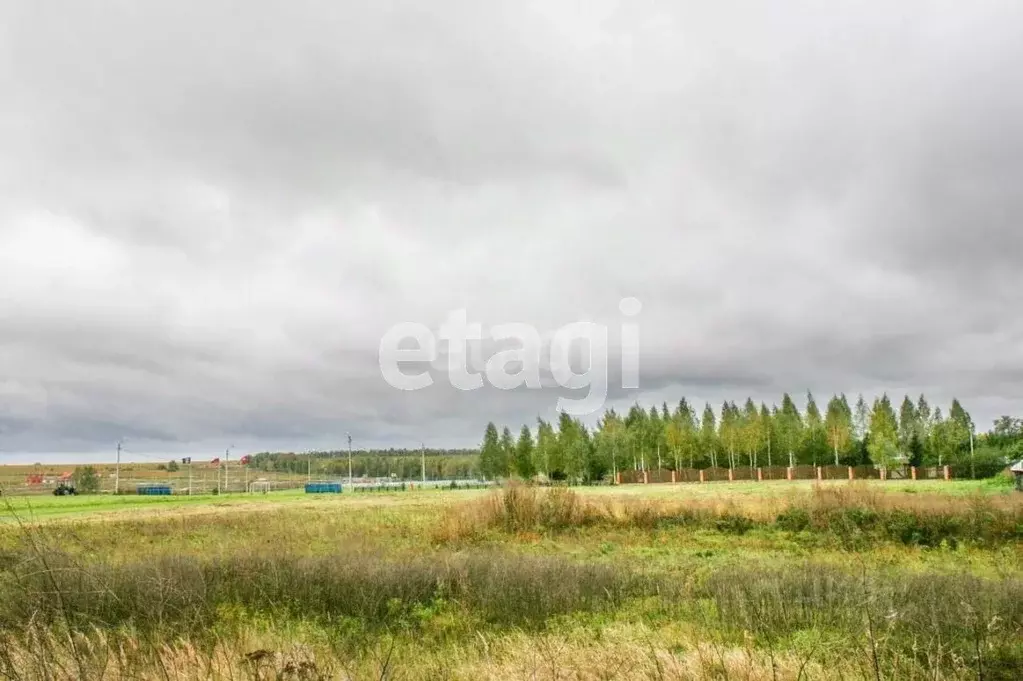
(771, 581)
(203, 477)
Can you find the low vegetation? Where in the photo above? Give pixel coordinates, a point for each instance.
(858, 581)
(847, 513)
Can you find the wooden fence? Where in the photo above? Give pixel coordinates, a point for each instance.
(746, 474)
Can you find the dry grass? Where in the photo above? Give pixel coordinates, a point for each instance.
(859, 510)
(628, 655)
(622, 652)
(363, 590)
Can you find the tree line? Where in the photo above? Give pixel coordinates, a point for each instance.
(405, 464)
(753, 435)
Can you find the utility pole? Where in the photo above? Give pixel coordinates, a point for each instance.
(117, 470)
(227, 464)
(423, 458)
(349, 435)
(189, 476)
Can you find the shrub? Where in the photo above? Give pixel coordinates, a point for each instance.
(86, 479)
(793, 519)
(731, 523)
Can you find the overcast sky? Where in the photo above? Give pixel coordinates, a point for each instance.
(210, 212)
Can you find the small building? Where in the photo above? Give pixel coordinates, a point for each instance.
(1017, 471)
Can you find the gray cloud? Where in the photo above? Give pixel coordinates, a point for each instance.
(210, 213)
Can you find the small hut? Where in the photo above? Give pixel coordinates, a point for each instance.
(1017, 471)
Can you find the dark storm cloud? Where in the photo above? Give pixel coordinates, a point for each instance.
(210, 213)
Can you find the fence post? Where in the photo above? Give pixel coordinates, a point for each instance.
(760, 474)
(646, 477)
(884, 473)
(948, 473)
(851, 474)
(788, 473)
(673, 477)
(731, 475)
(701, 475)
(820, 473)
(912, 472)
(618, 477)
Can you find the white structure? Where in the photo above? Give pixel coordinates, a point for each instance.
(262, 485)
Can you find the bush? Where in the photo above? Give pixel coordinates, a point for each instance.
(86, 480)
(731, 523)
(793, 519)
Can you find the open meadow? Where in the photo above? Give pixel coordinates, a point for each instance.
(775, 580)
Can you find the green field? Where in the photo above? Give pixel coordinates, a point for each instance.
(771, 580)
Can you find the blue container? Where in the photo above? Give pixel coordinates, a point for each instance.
(323, 488)
(154, 490)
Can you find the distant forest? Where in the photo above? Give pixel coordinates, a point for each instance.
(750, 435)
(731, 436)
(407, 464)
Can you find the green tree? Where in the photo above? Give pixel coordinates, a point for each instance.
(674, 439)
(86, 480)
(751, 431)
(815, 435)
(861, 419)
(172, 466)
(729, 430)
(838, 423)
(884, 450)
(947, 438)
(1006, 434)
(575, 447)
(708, 435)
(524, 464)
(915, 451)
(923, 416)
(767, 430)
(507, 452)
(655, 443)
(569, 463)
(884, 433)
(909, 424)
(959, 415)
(636, 433)
(595, 462)
(950, 438)
(923, 424)
(685, 417)
(490, 453)
(610, 436)
(546, 443)
(790, 427)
